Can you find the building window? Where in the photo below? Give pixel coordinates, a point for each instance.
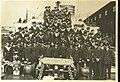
(99, 15)
(106, 12)
(114, 9)
(95, 18)
(91, 20)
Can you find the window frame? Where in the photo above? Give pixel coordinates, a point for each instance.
(95, 18)
(91, 19)
(106, 13)
(114, 9)
(100, 15)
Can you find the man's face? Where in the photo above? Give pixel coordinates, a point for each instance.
(16, 36)
(30, 31)
(48, 46)
(75, 27)
(99, 48)
(107, 48)
(22, 43)
(95, 46)
(26, 32)
(23, 32)
(42, 45)
(25, 44)
(20, 30)
(8, 44)
(11, 43)
(57, 30)
(49, 8)
(56, 46)
(34, 44)
(34, 24)
(30, 44)
(76, 48)
(71, 46)
(102, 47)
(56, 8)
(66, 9)
(18, 44)
(63, 45)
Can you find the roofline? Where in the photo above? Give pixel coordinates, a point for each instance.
(98, 10)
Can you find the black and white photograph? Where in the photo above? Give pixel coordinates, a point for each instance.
(58, 39)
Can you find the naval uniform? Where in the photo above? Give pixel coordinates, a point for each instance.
(8, 53)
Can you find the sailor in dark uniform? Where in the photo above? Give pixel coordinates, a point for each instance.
(42, 49)
(79, 61)
(90, 61)
(16, 49)
(34, 52)
(10, 36)
(26, 33)
(48, 51)
(71, 31)
(76, 31)
(33, 26)
(8, 52)
(29, 51)
(67, 29)
(40, 25)
(96, 61)
(101, 63)
(47, 11)
(76, 57)
(81, 51)
(19, 32)
(57, 36)
(63, 51)
(70, 51)
(55, 51)
(108, 60)
(21, 50)
(26, 28)
(23, 36)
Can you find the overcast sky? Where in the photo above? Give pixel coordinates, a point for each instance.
(12, 10)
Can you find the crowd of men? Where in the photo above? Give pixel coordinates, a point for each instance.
(56, 38)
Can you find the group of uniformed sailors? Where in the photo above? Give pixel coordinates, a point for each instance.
(57, 39)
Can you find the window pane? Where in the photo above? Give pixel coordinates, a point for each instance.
(95, 18)
(114, 9)
(99, 15)
(91, 20)
(106, 12)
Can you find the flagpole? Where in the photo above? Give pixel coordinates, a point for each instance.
(26, 15)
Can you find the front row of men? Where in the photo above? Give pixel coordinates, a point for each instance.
(98, 59)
